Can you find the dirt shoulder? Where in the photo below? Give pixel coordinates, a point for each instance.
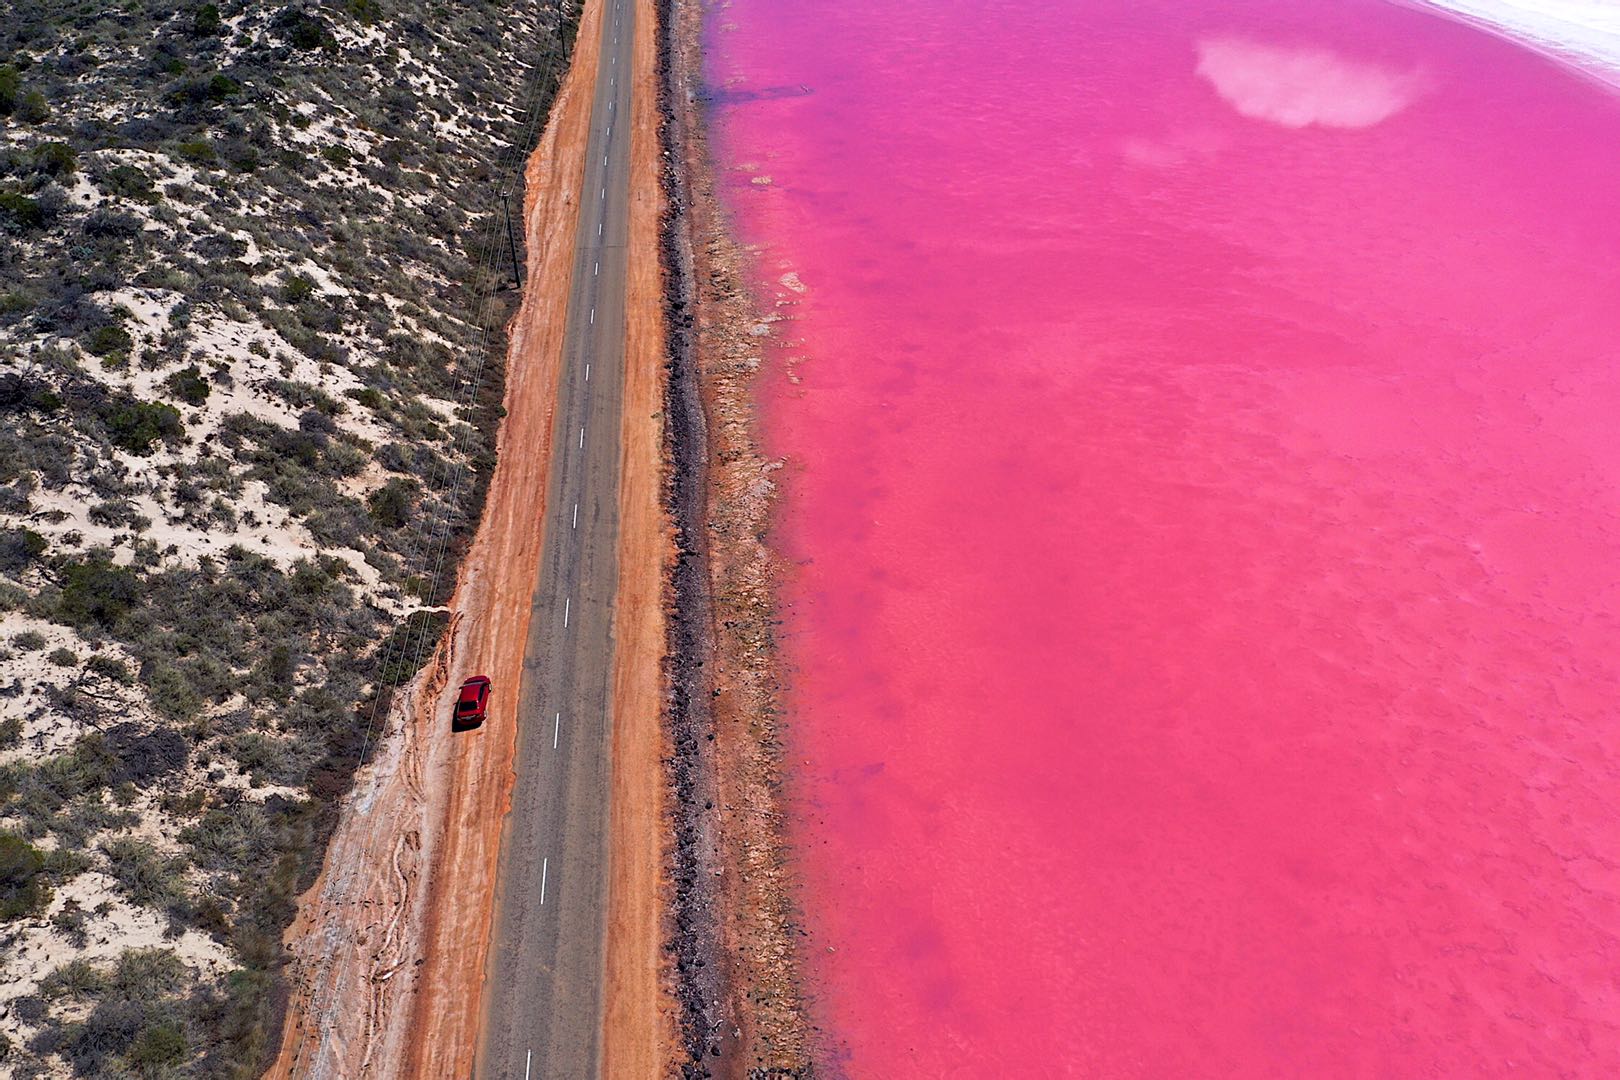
(638, 1014)
(389, 944)
(733, 923)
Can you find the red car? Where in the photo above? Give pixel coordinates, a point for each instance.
(470, 705)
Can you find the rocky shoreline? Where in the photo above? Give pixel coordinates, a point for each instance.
(733, 929)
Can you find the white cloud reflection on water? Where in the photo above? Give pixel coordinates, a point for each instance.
(1303, 86)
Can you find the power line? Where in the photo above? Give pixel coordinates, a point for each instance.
(451, 468)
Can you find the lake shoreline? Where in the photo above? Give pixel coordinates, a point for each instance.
(734, 924)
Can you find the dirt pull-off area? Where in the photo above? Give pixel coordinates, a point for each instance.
(734, 926)
(389, 944)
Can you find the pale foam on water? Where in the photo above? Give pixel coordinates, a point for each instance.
(1582, 33)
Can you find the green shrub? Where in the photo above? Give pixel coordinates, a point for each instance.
(19, 548)
(197, 152)
(10, 88)
(147, 973)
(29, 641)
(366, 12)
(129, 182)
(302, 30)
(297, 288)
(55, 159)
(70, 922)
(172, 693)
(267, 759)
(63, 657)
(205, 21)
(113, 513)
(189, 385)
(74, 980)
(370, 398)
(97, 593)
(32, 108)
(135, 1027)
(391, 504)
(159, 1046)
(110, 668)
(21, 393)
(62, 864)
(340, 525)
(21, 211)
(22, 892)
(274, 673)
(146, 878)
(135, 425)
(241, 156)
(108, 340)
(223, 839)
(87, 767)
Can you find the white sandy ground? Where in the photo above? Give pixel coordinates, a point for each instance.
(38, 948)
(44, 730)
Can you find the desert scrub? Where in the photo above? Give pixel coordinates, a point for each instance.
(146, 878)
(133, 1018)
(23, 888)
(232, 394)
(189, 385)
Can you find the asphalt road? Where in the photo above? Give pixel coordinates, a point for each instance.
(543, 999)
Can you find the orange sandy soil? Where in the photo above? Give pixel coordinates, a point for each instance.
(638, 1015)
(389, 944)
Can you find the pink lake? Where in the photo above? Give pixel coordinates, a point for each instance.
(1203, 476)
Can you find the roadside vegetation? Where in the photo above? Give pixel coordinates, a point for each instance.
(242, 301)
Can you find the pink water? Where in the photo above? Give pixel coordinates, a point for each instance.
(1204, 476)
